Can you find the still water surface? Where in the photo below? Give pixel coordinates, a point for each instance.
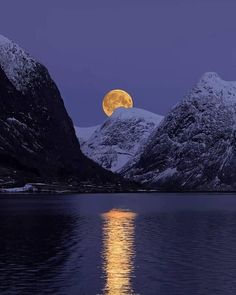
(118, 244)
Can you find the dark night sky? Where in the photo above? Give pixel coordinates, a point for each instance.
(154, 49)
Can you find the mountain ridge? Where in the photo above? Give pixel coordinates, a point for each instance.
(194, 148)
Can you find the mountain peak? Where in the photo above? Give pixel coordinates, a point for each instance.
(19, 67)
(213, 80)
(209, 76)
(113, 144)
(134, 113)
(211, 85)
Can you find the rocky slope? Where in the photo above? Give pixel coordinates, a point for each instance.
(195, 146)
(37, 137)
(120, 138)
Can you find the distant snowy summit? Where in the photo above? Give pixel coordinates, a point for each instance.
(121, 137)
(195, 146)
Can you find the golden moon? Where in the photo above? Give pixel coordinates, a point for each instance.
(114, 99)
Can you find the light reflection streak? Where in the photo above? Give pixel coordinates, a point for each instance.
(118, 251)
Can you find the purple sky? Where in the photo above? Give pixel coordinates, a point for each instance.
(154, 49)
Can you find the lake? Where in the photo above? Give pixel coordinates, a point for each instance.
(118, 244)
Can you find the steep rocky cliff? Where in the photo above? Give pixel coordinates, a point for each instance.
(37, 137)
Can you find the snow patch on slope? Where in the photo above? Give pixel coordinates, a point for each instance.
(84, 133)
(19, 67)
(25, 188)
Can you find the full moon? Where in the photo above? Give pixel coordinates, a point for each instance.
(115, 99)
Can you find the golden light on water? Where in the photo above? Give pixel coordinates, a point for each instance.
(118, 252)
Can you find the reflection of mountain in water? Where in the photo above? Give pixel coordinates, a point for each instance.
(118, 251)
(36, 246)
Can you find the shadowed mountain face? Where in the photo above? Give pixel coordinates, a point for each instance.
(194, 148)
(37, 137)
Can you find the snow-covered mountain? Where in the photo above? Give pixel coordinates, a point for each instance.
(37, 137)
(194, 148)
(120, 138)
